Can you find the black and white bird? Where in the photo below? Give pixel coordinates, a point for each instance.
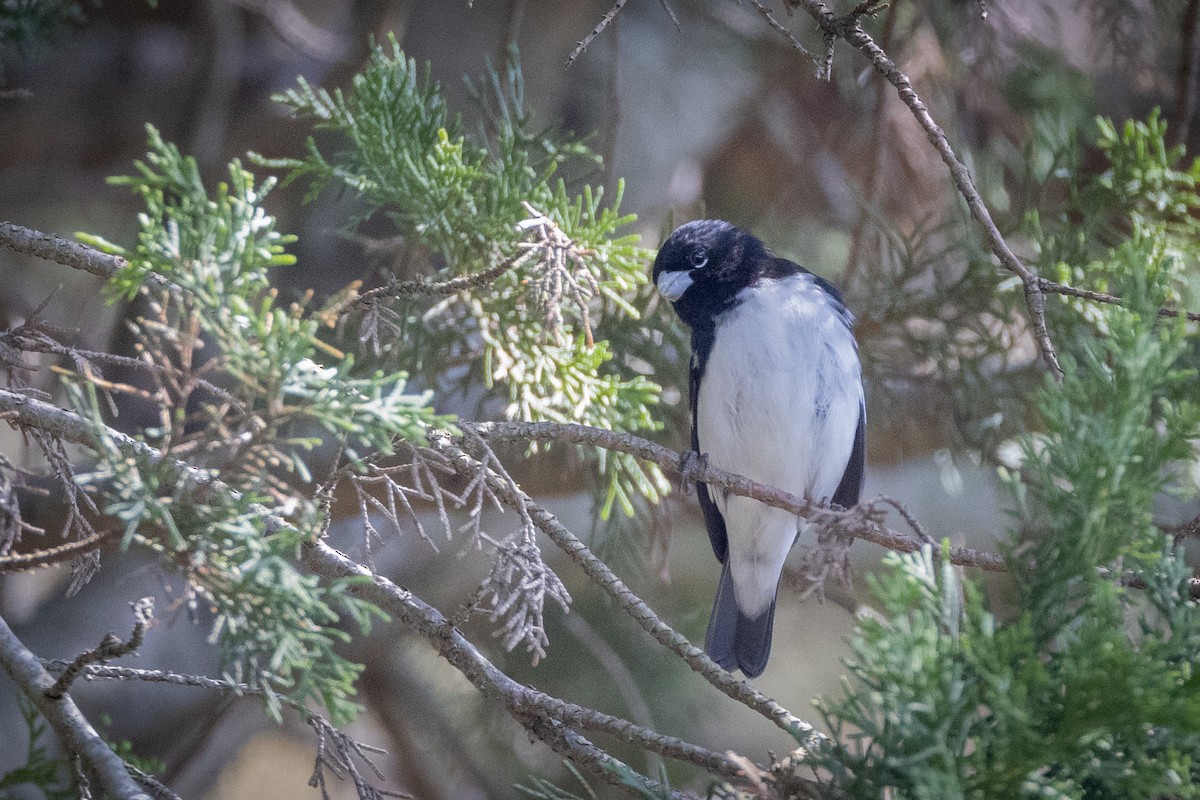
(776, 395)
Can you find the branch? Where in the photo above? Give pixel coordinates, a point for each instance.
(521, 701)
(615, 588)
(19, 562)
(604, 22)
(545, 716)
(780, 29)
(344, 746)
(419, 288)
(55, 248)
(71, 254)
(1100, 297)
(110, 647)
(860, 522)
(77, 734)
(847, 27)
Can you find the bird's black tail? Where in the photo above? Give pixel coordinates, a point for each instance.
(733, 639)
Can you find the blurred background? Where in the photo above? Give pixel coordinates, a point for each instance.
(709, 113)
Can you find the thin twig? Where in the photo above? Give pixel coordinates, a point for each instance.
(847, 27)
(419, 288)
(781, 30)
(910, 518)
(604, 22)
(1100, 297)
(19, 562)
(110, 647)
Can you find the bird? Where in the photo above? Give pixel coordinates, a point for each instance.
(776, 395)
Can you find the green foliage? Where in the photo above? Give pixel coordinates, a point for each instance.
(1145, 178)
(1143, 192)
(471, 204)
(1115, 426)
(1089, 690)
(948, 702)
(249, 388)
(276, 625)
(213, 247)
(40, 769)
(29, 24)
(218, 251)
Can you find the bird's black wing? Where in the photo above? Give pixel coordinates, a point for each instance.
(852, 479)
(713, 520)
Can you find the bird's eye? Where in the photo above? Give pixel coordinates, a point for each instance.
(699, 258)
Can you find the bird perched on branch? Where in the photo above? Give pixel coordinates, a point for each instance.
(776, 395)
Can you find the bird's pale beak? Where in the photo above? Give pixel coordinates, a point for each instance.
(672, 285)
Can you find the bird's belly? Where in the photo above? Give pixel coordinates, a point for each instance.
(778, 402)
(779, 398)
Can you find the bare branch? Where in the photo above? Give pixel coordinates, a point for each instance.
(861, 522)
(68, 253)
(110, 647)
(421, 288)
(63, 251)
(1100, 297)
(778, 27)
(77, 734)
(543, 715)
(847, 27)
(633, 605)
(341, 759)
(604, 22)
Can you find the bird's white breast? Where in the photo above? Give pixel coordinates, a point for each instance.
(779, 403)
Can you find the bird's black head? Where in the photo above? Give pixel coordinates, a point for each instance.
(704, 264)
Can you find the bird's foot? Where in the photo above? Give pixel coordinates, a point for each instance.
(690, 463)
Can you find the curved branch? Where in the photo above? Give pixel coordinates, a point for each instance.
(522, 702)
(847, 27)
(633, 605)
(545, 716)
(77, 734)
